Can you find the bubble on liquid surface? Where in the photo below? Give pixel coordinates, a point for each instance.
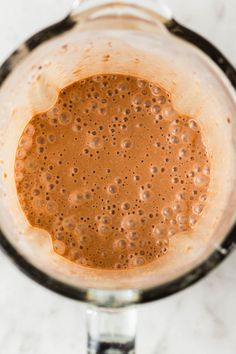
(64, 118)
(197, 209)
(138, 261)
(145, 195)
(133, 235)
(182, 219)
(126, 144)
(69, 223)
(131, 222)
(159, 231)
(104, 229)
(167, 212)
(59, 247)
(125, 206)
(201, 180)
(19, 165)
(137, 100)
(168, 112)
(192, 124)
(76, 197)
(174, 139)
(29, 130)
(153, 169)
(21, 153)
(112, 189)
(121, 244)
(155, 90)
(95, 142)
(52, 207)
(106, 219)
(26, 142)
(155, 109)
(51, 138)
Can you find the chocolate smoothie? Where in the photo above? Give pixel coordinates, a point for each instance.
(112, 172)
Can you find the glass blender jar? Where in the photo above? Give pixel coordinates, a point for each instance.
(136, 38)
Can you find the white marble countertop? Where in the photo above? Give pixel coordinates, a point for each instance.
(201, 319)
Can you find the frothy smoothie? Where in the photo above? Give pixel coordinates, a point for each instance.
(112, 172)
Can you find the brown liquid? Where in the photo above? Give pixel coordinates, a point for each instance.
(112, 172)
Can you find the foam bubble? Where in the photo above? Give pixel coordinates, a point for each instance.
(104, 229)
(183, 153)
(64, 118)
(159, 231)
(153, 169)
(19, 176)
(76, 197)
(177, 207)
(137, 100)
(185, 137)
(20, 153)
(162, 242)
(26, 142)
(126, 144)
(118, 180)
(141, 83)
(155, 90)
(38, 203)
(161, 100)
(145, 195)
(168, 112)
(197, 209)
(95, 142)
(172, 231)
(19, 165)
(59, 247)
(181, 219)
(112, 189)
(47, 177)
(131, 222)
(102, 111)
(59, 235)
(200, 180)
(167, 212)
(122, 86)
(181, 196)
(138, 261)
(52, 207)
(155, 109)
(147, 104)
(174, 139)
(79, 230)
(105, 219)
(29, 130)
(192, 124)
(131, 246)
(76, 128)
(206, 170)
(69, 223)
(121, 244)
(203, 197)
(35, 192)
(175, 180)
(51, 138)
(125, 206)
(133, 235)
(192, 220)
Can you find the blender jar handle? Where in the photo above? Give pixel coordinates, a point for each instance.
(111, 331)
